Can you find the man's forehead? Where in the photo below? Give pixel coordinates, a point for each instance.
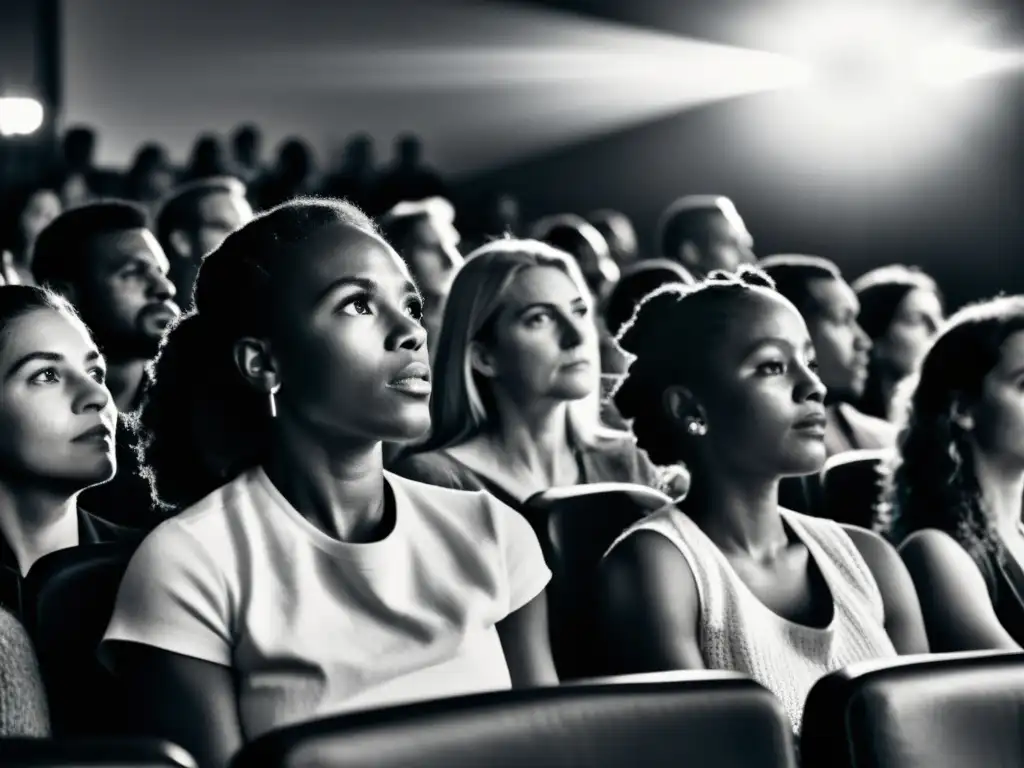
(832, 295)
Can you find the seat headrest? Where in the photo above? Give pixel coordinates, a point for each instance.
(941, 710)
(593, 725)
(595, 493)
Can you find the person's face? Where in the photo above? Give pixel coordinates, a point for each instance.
(220, 214)
(433, 263)
(998, 416)
(42, 208)
(57, 419)
(842, 346)
(913, 327)
(762, 400)
(350, 346)
(127, 298)
(544, 343)
(729, 243)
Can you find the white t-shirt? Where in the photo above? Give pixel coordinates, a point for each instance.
(313, 626)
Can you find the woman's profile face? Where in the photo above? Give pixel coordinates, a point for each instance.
(761, 397)
(544, 344)
(349, 342)
(57, 419)
(911, 332)
(999, 413)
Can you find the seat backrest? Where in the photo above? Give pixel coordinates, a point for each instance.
(576, 526)
(711, 719)
(852, 486)
(68, 599)
(113, 753)
(941, 711)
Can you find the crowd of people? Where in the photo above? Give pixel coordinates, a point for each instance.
(319, 418)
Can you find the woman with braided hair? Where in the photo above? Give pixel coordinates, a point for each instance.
(728, 580)
(300, 579)
(955, 490)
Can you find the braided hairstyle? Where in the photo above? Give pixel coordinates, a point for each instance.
(201, 424)
(651, 339)
(932, 483)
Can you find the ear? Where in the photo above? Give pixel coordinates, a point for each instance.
(962, 416)
(681, 406)
(690, 256)
(481, 360)
(255, 362)
(180, 243)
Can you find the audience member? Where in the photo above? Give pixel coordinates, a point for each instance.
(425, 236)
(618, 232)
(57, 424)
(573, 235)
(193, 221)
(957, 487)
(292, 176)
(516, 377)
(150, 177)
(301, 580)
(209, 159)
(900, 311)
(829, 306)
(639, 280)
(729, 580)
(104, 259)
(408, 178)
(704, 233)
(354, 175)
(25, 214)
(247, 152)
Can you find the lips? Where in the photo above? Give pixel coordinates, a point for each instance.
(97, 433)
(413, 379)
(164, 312)
(813, 423)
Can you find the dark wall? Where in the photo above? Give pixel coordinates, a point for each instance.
(956, 212)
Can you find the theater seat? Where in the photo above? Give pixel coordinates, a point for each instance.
(576, 525)
(674, 720)
(852, 486)
(68, 600)
(115, 753)
(940, 711)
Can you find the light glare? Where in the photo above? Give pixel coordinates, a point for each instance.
(19, 116)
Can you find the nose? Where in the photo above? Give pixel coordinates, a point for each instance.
(408, 333)
(161, 287)
(810, 387)
(862, 342)
(574, 331)
(91, 395)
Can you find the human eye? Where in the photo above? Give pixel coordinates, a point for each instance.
(359, 304)
(45, 376)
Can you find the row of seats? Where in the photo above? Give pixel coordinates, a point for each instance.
(944, 711)
(69, 595)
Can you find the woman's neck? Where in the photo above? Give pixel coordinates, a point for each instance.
(35, 523)
(338, 488)
(535, 439)
(1002, 488)
(740, 518)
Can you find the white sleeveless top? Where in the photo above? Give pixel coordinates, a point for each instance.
(739, 633)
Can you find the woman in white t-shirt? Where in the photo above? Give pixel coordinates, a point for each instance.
(302, 580)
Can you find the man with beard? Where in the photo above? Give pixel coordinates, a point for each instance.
(104, 259)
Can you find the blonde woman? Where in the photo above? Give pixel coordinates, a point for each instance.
(515, 408)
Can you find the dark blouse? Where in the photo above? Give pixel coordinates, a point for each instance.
(1005, 582)
(617, 461)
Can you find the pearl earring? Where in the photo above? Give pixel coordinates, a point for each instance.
(273, 401)
(697, 428)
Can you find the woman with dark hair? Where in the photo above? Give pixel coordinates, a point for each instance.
(728, 580)
(954, 501)
(900, 311)
(57, 422)
(301, 579)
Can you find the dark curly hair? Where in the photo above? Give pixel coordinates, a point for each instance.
(932, 482)
(201, 425)
(651, 339)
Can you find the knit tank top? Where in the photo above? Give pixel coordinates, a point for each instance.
(739, 633)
